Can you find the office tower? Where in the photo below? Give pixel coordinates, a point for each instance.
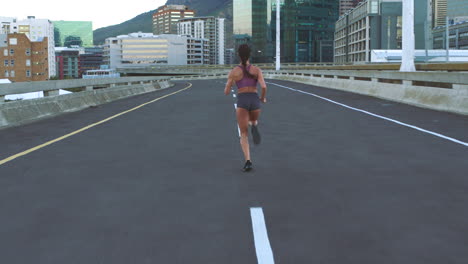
(166, 17)
(439, 12)
(209, 28)
(91, 59)
(67, 61)
(457, 10)
(73, 33)
(307, 28)
(377, 24)
(23, 60)
(35, 30)
(458, 36)
(346, 5)
(252, 25)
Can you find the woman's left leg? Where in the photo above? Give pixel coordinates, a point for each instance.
(253, 120)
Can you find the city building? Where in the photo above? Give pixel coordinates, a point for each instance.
(457, 10)
(147, 49)
(73, 33)
(346, 5)
(209, 28)
(166, 17)
(307, 28)
(23, 60)
(229, 56)
(439, 12)
(252, 25)
(35, 30)
(377, 25)
(458, 36)
(91, 59)
(68, 62)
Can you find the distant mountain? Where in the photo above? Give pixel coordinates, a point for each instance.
(144, 22)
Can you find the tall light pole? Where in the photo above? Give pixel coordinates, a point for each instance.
(407, 57)
(278, 51)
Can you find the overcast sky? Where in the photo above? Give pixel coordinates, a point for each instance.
(101, 13)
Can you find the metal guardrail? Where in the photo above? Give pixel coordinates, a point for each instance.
(51, 88)
(195, 69)
(430, 79)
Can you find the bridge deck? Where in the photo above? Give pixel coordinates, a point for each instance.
(163, 183)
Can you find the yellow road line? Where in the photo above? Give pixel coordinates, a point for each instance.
(86, 128)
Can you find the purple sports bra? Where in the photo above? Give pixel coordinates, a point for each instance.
(246, 81)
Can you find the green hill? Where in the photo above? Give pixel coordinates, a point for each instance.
(143, 22)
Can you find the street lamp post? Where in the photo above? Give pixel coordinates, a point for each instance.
(407, 57)
(278, 52)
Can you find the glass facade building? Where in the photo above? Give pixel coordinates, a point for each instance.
(252, 25)
(378, 25)
(457, 8)
(68, 33)
(307, 29)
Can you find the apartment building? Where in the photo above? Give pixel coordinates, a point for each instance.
(209, 28)
(439, 12)
(35, 30)
(68, 62)
(166, 17)
(23, 60)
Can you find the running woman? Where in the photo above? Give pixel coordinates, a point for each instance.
(248, 110)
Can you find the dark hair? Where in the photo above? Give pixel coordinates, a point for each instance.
(244, 54)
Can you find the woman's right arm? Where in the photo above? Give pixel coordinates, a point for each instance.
(229, 83)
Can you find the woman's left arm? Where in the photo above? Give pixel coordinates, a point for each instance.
(262, 85)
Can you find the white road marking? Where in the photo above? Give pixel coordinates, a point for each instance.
(262, 243)
(238, 128)
(378, 116)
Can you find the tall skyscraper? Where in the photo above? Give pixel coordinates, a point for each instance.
(252, 25)
(166, 17)
(307, 28)
(76, 33)
(209, 28)
(440, 12)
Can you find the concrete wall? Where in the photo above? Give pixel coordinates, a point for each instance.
(26, 111)
(452, 99)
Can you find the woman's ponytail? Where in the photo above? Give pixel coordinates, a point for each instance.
(244, 54)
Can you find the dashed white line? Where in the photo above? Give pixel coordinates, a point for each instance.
(262, 243)
(235, 108)
(378, 116)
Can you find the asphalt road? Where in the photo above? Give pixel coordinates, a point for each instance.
(163, 183)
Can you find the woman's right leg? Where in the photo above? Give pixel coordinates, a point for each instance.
(243, 122)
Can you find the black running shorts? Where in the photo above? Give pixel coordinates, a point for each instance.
(249, 101)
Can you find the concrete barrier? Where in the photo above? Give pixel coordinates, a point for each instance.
(25, 111)
(442, 91)
(407, 90)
